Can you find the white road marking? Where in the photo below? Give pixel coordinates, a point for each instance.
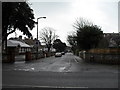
(61, 69)
(34, 86)
(76, 60)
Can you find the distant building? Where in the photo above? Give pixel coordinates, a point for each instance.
(110, 40)
(33, 43)
(68, 49)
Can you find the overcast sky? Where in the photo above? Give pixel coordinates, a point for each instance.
(61, 14)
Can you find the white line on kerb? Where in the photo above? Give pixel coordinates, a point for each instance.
(31, 86)
(76, 60)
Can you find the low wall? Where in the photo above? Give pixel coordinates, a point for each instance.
(103, 58)
(106, 56)
(41, 55)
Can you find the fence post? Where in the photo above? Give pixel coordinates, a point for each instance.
(28, 56)
(84, 52)
(11, 55)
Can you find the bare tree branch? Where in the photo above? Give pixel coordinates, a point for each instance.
(47, 35)
(80, 23)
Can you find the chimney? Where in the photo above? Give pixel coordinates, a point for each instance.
(20, 37)
(25, 38)
(31, 38)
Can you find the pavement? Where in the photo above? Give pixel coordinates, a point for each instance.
(68, 71)
(20, 58)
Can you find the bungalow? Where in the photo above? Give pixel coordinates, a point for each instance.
(20, 47)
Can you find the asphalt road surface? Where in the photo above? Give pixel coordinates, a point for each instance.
(68, 71)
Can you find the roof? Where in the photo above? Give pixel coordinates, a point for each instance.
(14, 43)
(29, 41)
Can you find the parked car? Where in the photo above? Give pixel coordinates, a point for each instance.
(63, 53)
(58, 54)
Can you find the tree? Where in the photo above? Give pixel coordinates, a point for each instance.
(72, 40)
(87, 35)
(59, 45)
(47, 35)
(16, 16)
(80, 23)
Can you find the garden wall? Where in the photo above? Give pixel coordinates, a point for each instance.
(107, 56)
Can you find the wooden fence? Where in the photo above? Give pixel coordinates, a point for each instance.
(106, 56)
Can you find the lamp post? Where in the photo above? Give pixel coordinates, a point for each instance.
(37, 35)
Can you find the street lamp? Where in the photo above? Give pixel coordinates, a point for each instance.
(37, 35)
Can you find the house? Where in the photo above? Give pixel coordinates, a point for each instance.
(15, 48)
(113, 39)
(19, 47)
(33, 43)
(110, 40)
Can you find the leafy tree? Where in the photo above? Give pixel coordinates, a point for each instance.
(47, 35)
(80, 23)
(103, 43)
(89, 36)
(59, 45)
(16, 16)
(72, 40)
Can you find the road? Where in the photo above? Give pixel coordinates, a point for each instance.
(68, 71)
